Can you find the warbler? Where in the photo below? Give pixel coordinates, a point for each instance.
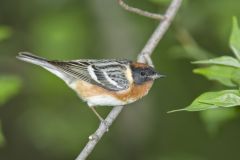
(101, 82)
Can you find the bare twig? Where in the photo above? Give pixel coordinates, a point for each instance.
(144, 56)
(94, 138)
(159, 31)
(139, 11)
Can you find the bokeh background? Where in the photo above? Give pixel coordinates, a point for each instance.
(41, 118)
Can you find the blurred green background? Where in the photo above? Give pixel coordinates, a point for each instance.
(41, 118)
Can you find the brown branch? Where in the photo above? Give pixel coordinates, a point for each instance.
(144, 56)
(139, 11)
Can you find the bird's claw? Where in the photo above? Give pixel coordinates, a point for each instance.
(105, 123)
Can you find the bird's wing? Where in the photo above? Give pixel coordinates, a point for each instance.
(109, 74)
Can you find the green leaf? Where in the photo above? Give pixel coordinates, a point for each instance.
(235, 38)
(196, 105)
(2, 139)
(5, 32)
(222, 74)
(226, 98)
(9, 85)
(224, 60)
(236, 77)
(212, 100)
(216, 118)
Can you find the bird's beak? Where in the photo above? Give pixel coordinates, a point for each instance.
(157, 75)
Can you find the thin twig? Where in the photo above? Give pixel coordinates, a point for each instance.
(140, 12)
(159, 31)
(94, 138)
(144, 56)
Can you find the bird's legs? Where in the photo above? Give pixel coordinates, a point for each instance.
(100, 117)
(96, 113)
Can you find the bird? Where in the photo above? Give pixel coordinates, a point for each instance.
(101, 82)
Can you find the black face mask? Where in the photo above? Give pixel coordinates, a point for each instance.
(141, 75)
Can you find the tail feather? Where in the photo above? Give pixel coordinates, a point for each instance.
(28, 57)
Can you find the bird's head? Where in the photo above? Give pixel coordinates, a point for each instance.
(143, 73)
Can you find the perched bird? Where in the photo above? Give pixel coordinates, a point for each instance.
(104, 82)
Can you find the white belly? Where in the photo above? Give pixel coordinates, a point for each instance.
(104, 101)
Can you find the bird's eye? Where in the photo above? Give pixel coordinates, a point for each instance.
(142, 73)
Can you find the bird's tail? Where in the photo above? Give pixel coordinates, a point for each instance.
(47, 64)
(28, 57)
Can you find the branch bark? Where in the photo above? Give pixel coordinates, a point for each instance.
(140, 12)
(144, 57)
(159, 31)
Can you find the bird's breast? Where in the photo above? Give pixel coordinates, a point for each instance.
(98, 96)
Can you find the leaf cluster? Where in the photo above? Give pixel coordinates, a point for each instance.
(225, 70)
